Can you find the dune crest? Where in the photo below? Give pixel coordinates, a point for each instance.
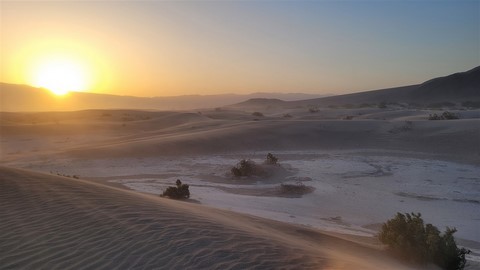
(60, 223)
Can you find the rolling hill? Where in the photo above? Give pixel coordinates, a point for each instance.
(457, 88)
(15, 98)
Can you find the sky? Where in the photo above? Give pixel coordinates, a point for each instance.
(165, 48)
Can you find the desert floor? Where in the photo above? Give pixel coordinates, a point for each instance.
(361, 166)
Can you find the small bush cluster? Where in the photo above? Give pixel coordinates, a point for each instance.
(257, 114)
(444, 116)
(181, 191)
(295, 189)
(271, 159)
(409, 238)
(313, 110)
(246, 167)
(67, 175)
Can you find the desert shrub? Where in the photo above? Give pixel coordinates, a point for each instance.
(449, 115)
(409, 238)
(444, 116)
(181, 191)
(246, 167)
(295, 189)
(271, 159)
(67, 175)
(348, 117)
(287, 115)
(257, 114)
(382, 105)
(313, 110)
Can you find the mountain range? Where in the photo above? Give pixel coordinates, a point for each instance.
(456, 88)
(15, 98)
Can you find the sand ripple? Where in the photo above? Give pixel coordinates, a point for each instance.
(49, 222)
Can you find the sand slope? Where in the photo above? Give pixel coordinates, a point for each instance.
(125, 133)
(50, 222)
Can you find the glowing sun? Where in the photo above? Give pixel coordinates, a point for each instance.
(61, 75)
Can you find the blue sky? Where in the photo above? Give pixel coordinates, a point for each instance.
(197, 47)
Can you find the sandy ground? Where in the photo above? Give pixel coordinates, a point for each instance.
(51, 222)
(361, 171)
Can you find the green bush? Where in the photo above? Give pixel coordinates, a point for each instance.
(271, 159)
(449, 116)
(444, 116)
(181, 191)
(409, 238)
(246, 167)
(297, 189)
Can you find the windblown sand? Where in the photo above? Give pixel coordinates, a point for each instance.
(50, 222)
(353, 158)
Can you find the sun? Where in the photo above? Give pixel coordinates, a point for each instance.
(60, 75)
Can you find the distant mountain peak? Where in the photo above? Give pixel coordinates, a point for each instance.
(458, 87)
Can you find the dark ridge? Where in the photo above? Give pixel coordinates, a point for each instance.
(458, 87)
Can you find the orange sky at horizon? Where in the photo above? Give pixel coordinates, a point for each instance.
(171, 48)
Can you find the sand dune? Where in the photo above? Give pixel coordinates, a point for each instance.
(210, 137)
(53, 222)
(96, 134)
(50, 222)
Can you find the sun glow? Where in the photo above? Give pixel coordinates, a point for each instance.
(60, 75)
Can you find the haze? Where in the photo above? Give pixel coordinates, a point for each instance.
(179, 48)
(240, 135)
